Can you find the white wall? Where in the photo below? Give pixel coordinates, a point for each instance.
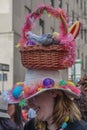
(6, 57)
(5, 16)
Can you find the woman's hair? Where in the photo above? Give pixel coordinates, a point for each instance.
(82, 101)
(17, 115)
(82, 83)
(63, 106)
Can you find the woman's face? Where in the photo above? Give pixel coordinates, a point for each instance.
(11, 109)
(43, 105)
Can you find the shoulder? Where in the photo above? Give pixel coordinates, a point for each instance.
(1, 128)
(78, 125)
(83, 125)
(29, 125)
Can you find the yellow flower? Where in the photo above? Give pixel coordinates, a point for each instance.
(70, 83)
(40, 89)
(49, 15)
(55, 85)
(18, 45)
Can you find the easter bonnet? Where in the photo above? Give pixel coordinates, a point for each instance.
(45, 55)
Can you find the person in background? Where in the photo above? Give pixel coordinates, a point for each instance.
(25, 114)
(14, 110)
(82, 101)
(5, 121)
(0, 92)
(83, 83)
(31, 113)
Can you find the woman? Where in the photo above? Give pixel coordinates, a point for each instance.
(82, 101)
(52, 99)
(24, 114)
(14, 110)
(82, 105)
(5, 122)
(52, 110)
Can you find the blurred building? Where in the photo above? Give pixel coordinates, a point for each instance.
(11, 21)
(77, 10)
(12, 16)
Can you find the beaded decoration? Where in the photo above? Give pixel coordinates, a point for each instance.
(64, 124)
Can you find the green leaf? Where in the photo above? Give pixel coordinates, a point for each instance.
(45, 11)
(23, 102)
(38, 11)
(62, 82)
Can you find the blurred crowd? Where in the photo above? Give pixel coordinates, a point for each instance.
(14, 116)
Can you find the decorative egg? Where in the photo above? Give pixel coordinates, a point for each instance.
(66, 119)
(62, 82)
(48, 82)
(17, 91)
(64, 125)
(30, 43)
(19, 83)
(26, 90)
(70, 83)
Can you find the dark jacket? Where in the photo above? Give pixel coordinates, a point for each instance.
(7, 124)
(77, 125)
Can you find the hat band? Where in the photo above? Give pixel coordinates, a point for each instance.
(4, 111)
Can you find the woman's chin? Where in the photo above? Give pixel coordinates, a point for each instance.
(39, 117)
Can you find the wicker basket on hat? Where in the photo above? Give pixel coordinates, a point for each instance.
(52, 57)
(40, 57)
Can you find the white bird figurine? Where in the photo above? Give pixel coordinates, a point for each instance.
(33, 37)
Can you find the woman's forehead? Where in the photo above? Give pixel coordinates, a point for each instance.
(40, 95)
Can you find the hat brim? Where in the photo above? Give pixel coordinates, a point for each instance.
(67, 92)
(4, 115)
(31, 79)
(7, 95)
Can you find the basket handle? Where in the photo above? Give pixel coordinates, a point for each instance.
(58, 13)
(65, 31)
